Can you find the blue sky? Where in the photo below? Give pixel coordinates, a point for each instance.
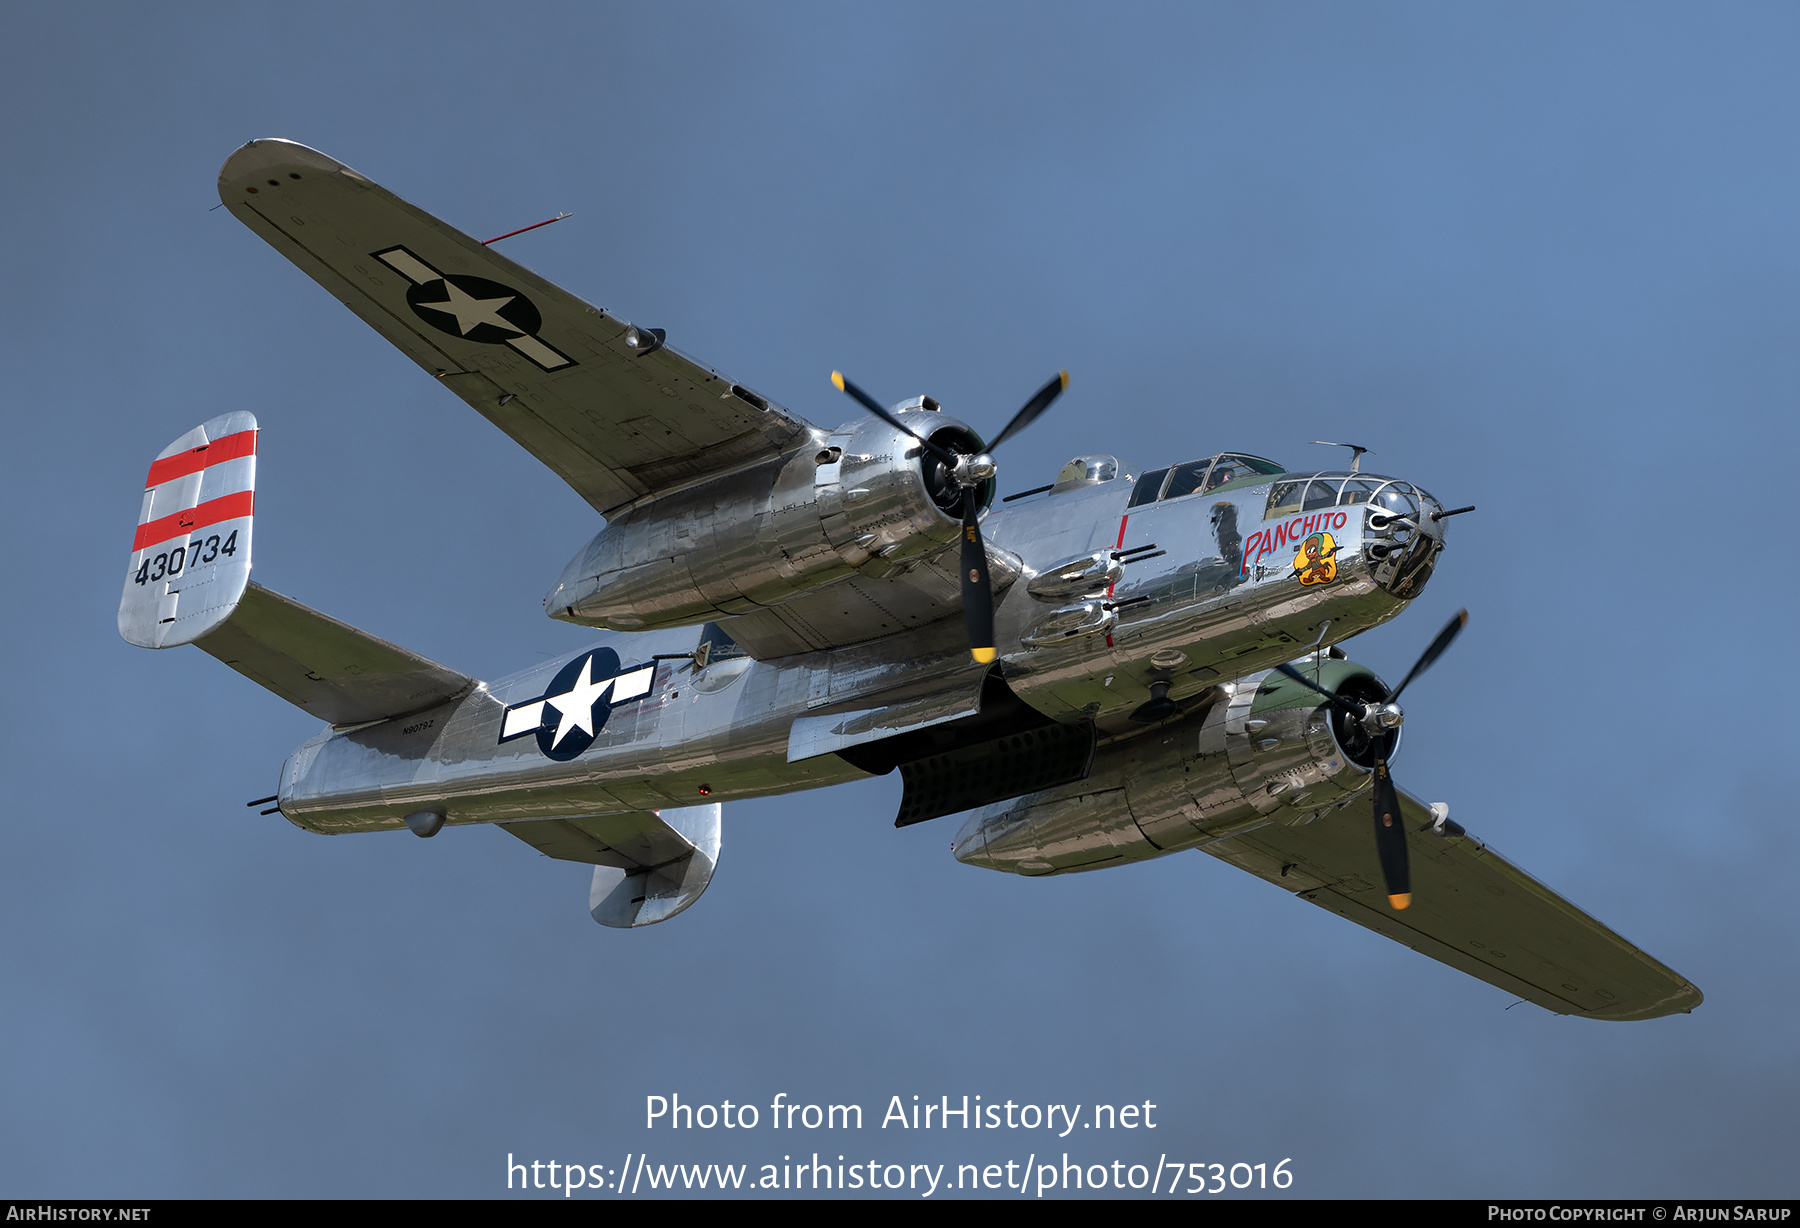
(1540, 258)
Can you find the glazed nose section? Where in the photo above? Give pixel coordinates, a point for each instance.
(1388, 533)
(1403, 533)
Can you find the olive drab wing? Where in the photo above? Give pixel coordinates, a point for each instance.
(616, 421)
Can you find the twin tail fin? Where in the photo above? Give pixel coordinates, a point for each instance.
(188, 582)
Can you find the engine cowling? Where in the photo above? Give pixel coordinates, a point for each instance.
(1264, 750)
(860, 500)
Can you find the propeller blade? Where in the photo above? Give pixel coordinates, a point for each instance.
(1390, 830)
(1390, 839)
(1035, 406)
(880, 411)
(1435, 651)
(977, 592)
(1349, 707)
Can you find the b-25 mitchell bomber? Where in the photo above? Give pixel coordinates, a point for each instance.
(1116, 666)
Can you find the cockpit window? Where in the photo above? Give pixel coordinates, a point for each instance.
(1206, 476)
(1398, 497)
(1322, 493)
(1296, 494)
(1148, 488)
(1284, 499)
(1231, 468)
(1187, 478)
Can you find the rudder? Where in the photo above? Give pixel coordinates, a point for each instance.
(190, 557)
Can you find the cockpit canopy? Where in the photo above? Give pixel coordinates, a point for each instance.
(1200, 477)
(1296, 492)
(1293, 494)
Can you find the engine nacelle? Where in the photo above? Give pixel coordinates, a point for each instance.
(860, 500)
(1265, 750)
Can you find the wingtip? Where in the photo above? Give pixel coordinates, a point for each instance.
(270, 157)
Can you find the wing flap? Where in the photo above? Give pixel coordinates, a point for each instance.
(810, 736)
(1471, 909)
(545, 367)
(329, 668)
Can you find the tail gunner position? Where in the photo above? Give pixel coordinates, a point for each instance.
(1112, 667)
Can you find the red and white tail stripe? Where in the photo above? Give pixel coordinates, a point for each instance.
(190, 557)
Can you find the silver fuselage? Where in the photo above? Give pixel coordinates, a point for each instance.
(1218, 598)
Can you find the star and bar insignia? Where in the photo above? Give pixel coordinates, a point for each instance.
(573, 708)
(474, 308)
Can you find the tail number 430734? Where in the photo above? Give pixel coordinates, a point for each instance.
(173, 562)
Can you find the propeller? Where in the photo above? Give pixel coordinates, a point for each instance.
(1377, 721)
(968, 471)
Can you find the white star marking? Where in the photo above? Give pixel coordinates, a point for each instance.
(470, 311)
(577, 703)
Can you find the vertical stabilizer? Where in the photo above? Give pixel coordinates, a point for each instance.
(190, 558)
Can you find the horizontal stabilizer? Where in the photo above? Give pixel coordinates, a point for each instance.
(648, 866)
(331, 669)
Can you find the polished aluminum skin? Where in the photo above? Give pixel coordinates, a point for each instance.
(1211, 592)
(1260, 750)
(190, 559)
(624, 897)
(731, 728)
(854, 501)
(780, 607)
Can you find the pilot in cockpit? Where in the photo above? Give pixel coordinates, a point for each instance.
(1222, 472)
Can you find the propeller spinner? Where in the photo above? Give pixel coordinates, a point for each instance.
(1377, 720)
(969, 471)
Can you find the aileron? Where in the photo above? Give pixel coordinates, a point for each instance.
(1472, 910)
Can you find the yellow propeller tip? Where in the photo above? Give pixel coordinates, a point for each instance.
(1065, 378)
(983, 656)
(1400, 902)
(837, 379)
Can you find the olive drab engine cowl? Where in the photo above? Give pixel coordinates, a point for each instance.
(860, 500)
